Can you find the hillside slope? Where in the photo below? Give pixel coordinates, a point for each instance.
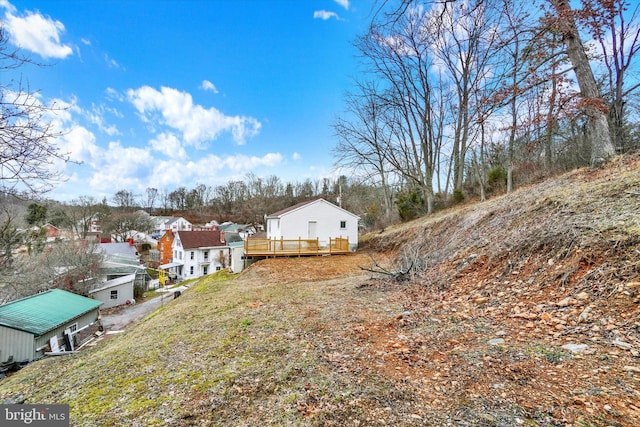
(525, 311)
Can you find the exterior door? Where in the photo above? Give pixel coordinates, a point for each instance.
(313, 230)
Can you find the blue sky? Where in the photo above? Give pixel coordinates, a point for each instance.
(179, 93)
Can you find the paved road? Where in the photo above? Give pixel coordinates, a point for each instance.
(130, 314)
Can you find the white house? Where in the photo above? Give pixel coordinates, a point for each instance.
(237, 259)
(115, 292)
(164, 223)
(314, 219)
(200, 252)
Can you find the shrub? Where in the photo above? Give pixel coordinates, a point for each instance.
(409, 205)
(458, 196)
(497, 177)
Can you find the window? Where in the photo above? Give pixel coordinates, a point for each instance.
(343, 224)
(193, 255)
(205, 270)
(218, 268)
(206, 255)
(191, 270)
(73, 328)
(114, 294)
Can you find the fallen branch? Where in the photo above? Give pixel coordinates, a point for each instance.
(399, 275)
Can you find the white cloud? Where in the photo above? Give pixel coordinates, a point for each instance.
(80, 143)
(96, 117)
(175, 109)
(296, 156)
(5, 4)
(247, 163)
(113, 94)
(169, 145)
(86, 41)
(36, 33)
(324, 15)
(120, 167)
(173, 173)
(112, 63)
(343, 3)
(207, 85)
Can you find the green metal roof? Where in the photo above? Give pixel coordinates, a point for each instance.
(46, 311)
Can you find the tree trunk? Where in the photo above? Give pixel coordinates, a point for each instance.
(602, 148)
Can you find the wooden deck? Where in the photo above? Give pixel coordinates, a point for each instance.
(299, 247)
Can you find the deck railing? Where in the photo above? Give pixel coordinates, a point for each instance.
(292, 247)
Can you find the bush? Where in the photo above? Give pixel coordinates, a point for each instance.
(409, 205)
(497, 177)
(458, 196)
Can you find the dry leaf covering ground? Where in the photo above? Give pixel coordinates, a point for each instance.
(525, 311)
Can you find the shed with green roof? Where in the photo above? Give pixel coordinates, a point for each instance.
(28, 325)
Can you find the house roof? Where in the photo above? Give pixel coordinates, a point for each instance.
(46, 311)
(170, 265)
(201, 239)
(166, 221)
(125, 248)
(304, 204)
(120, 264)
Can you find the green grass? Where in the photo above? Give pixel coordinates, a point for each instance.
(209, 354)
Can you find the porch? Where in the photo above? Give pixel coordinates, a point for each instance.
(295, 247)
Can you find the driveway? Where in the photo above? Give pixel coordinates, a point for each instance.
(127, 315)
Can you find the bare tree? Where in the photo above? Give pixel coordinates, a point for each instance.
(28, 151)
(121, 224)
(69, 265)
(10, 237)
(465, 41)
(124, 199)
(152, 196)
(362, 141)
(83, 212)
(617, 32)
(593, 105)
(398, 50)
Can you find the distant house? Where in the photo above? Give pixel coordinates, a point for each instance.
(198, 253)
(90, 226)
(51, 232)
(115, 292)
(121, 272)
(165, 223)
(237, 260)
(43, 322)
(316, 219)
(165, 247)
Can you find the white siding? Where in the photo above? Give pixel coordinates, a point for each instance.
(197, 264)
(325, 218)
(237, 261)
(125, 292)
